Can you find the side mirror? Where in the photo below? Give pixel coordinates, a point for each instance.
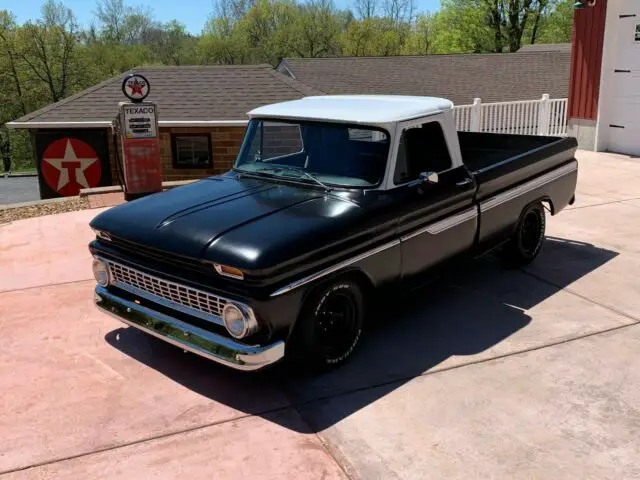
(429, 177)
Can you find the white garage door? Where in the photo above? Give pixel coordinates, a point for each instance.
(624, 124)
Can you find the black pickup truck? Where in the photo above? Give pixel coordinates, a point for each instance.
(330, 199)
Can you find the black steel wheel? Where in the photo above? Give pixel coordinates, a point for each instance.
(525, 244)
(329, 327)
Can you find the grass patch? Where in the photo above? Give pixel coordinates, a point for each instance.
(25, 169)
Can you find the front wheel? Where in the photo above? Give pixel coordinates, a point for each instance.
(525, 244)
(329, 326)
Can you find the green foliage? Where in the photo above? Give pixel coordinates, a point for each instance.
(461, 26)
(557, 26)
(47, 59)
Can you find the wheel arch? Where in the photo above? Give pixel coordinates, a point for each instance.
(359, 276)
(541, 201)
(546, 200)
(356, 274)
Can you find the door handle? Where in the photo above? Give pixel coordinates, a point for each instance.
(464, 183)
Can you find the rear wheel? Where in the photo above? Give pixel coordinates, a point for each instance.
(329, 326)
(525, 244)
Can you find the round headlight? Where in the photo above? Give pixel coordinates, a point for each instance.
(101, 272)
(238, 323)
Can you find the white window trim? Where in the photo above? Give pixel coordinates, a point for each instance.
(450, 137)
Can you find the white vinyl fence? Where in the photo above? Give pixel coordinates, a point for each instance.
(528, 117)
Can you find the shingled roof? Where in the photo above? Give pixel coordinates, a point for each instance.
(546, 47)
(459, 77)
(183, 94)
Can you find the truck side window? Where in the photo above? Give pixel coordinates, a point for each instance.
(421, 149)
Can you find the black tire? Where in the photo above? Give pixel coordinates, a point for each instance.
(526, 242)
(329, 326)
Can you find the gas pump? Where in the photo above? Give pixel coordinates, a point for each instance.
(137, 127)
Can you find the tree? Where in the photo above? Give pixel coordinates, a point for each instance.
(421, 38)
(515, 15)
(499, 24)
(538, 19)
(269, 28)
(11, 79)
(556, 26)
(366, 9)
(510, 20)
(399, 11)
(316, 29)
(112, 16)
(374, 37)
(461, 27)
(48, 48)
(170, 43)
(123, 24)
(221, 40)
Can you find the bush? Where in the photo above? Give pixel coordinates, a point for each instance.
(21, 151)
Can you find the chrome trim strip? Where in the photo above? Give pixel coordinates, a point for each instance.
(335, 268)
(188, 337)
(445, 224)
(167, 302)
(528, 187)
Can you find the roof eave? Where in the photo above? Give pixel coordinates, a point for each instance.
(202, 123)
(37, 124)
(106, 124)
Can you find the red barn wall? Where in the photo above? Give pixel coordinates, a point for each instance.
(586, 60)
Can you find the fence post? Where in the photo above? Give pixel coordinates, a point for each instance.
(476, 115)
(544, 113)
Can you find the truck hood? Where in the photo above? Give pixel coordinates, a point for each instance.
(193, 220)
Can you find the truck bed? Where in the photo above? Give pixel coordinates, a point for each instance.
(500, 161)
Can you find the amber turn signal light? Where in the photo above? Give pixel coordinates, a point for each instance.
(228, 271)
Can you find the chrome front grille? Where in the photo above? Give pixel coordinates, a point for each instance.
(190, 300)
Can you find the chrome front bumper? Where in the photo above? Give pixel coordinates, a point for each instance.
(188, 337)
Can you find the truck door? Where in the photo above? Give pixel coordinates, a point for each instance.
(437, 220)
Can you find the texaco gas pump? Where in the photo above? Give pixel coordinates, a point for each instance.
(137, 126)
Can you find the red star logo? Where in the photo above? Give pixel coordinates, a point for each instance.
(136, 87)
(69, 164)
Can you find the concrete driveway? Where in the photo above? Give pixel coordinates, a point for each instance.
(491, 373)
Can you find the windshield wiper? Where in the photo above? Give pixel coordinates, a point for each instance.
(308, 175)
(283, 168)
(261, 172)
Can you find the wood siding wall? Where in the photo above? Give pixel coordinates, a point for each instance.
(586, 60)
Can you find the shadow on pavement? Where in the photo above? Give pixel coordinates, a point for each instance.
(464, 314)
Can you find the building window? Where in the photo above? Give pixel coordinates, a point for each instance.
(191, 150)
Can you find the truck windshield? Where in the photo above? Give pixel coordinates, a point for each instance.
(322, 153)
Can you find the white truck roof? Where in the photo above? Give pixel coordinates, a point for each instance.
(358, 109)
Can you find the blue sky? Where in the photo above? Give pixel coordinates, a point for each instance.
(193, 13)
